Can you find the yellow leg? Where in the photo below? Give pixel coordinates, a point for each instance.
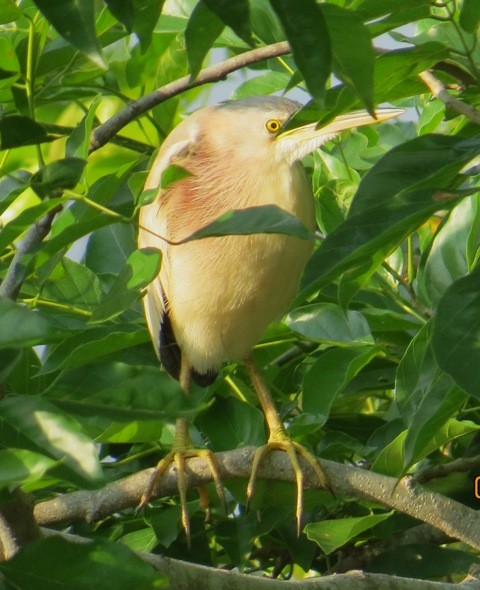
(279, 440)
(183, 449)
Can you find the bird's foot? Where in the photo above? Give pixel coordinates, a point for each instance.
(280, 441)
(177, 457)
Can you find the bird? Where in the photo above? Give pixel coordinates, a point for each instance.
(213, 298)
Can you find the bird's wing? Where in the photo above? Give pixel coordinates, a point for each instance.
(152, 228)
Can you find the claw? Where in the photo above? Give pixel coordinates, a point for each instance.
(181, 451)
(282, 442)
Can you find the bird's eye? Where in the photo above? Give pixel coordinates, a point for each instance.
(272, 125)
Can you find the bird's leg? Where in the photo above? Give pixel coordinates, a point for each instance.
(279, 440)
(182, 449)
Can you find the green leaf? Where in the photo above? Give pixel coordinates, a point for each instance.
(235, 15)
(9, 12)
(140, 269)
(56, 176)
(108, 249)
(22, 467)
(15, 228)
(266, 83)
(12, 186)
(309, 38)
(17, 131)
(75, 22)
(330, 323)
(456, 334)
(74, 285)
(63, 565)
(24, 327)
(450, 253)
(90, 345)
(231, 424)
(203, 27)
(426, 397)
(329, 375)
(332, 534)
(397, 195)
(268, 219)
(470, 16)
(78, 143)
(172, 174)
(34, 424)
(391, 459)
(422, 561)
(106, 390)
(353, 63)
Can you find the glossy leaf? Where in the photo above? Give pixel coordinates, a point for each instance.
(422, 561)
(399, 193)
(470, 16)
(74, 285)
(78, 143)
(172, 174)
(56, 176)
(456, 332)
(18, 131)
(34, 424)
(140, 269)
(451, 252)
(90, 345)
(309, 38)
(22, 467)
(9, 11)
(330, 323)
(330, 374)
(62, 564)
(235, 15)
(332, 534)
(352, 62)
(75, 21)
(24, 327)
(266, 219)
(266, 83)
(203, 28)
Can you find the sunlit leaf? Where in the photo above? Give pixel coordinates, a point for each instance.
(75, 21)
(268, 219)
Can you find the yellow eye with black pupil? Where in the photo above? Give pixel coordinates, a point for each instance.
(272, 125)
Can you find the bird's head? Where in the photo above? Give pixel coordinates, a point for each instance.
(252, 127)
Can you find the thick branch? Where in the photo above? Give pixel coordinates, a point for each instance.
(104, 133)
(439, 90)
(191, 575)
(451, 517)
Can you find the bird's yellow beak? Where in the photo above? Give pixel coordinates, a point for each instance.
(340, 123)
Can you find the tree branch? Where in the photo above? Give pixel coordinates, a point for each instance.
(459, 465)
(191, 575)
(438, 89)
(104, 133)
(15, 275)
(451, 517)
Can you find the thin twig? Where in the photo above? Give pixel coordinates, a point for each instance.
(104, 133)
(457, 466)
(439, 91)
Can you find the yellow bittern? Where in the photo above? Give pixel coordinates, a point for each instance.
(214, 297)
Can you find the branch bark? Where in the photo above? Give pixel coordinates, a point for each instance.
(104, 133)
(439, 91)
(451, 517)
